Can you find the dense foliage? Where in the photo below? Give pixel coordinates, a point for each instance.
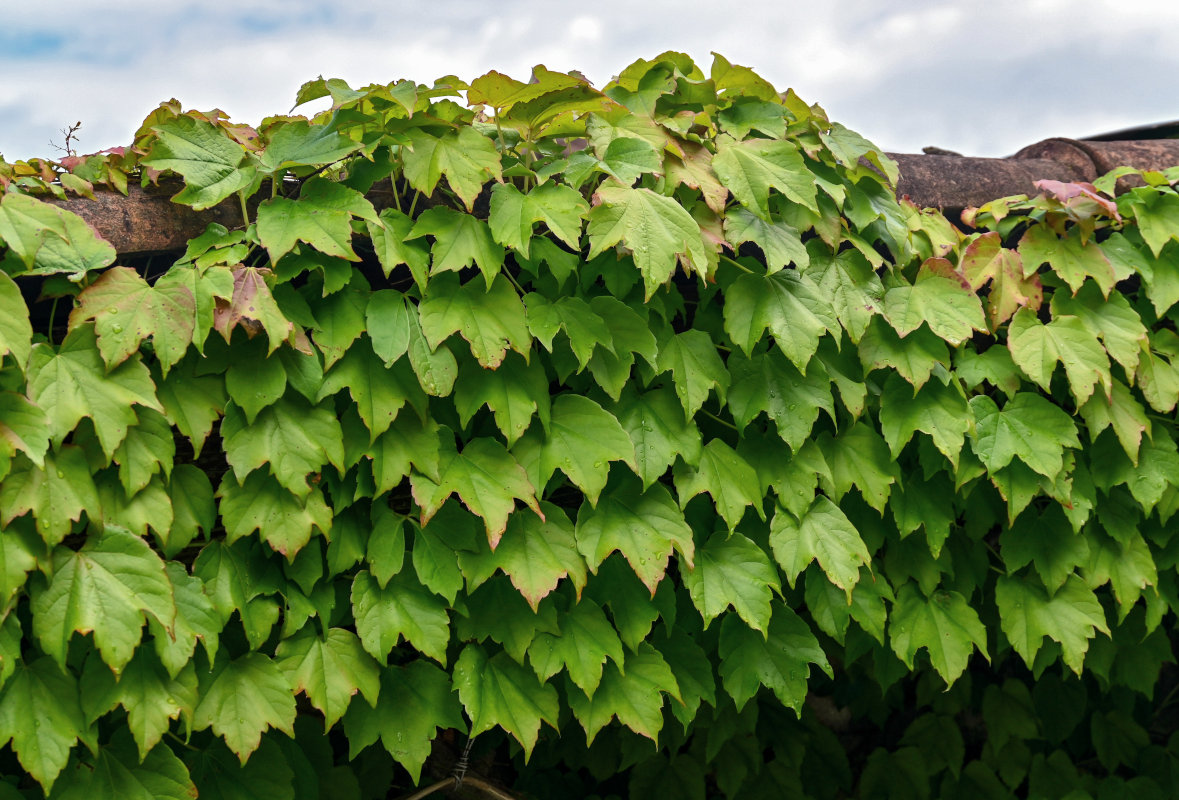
(640, 435)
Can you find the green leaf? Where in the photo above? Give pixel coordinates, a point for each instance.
(585, 329)
(243, 698)
(192, 402)
(1028, 426)
(329, 670)
(293, 438)
(151, 697)
(768, 382)
(751, 168)
(19, 552)
(16, 333)
(283, 520)
(57, 494)
(23, 428)
(586, 640)
(514, 394)
(1128, 566)
(234, 578)
(855, 289)
(107, 587)
(497, 611)
(644, 526)
(1070, 616)
(1036, 348)
(485, 477)
(513, 214)
(48, 239)
(252, 306)
(195, 619)
(732, 570)
(779, 241)
(537, 553)
(299, 143)
(435, 367)
(823, 534)
(126, 310)
(378, 391)
(944, 624)
(582, 440)
(387, 322)
(1048, 541)
(466, 157)
(951, 311)
(400, 609)
(220, 776)
(492, 321)
(498, 691)
(393, 249)
(1070, 256)
(695, 367)
(407, 443)
(72, 382)
(117, 771)
(791, 307)
(283, 223)
(659, 432)
(632, 693)
(416, 701)
(914, 358)
(460, 240)
(860, 458)
(1118, 324)
(727, 477)
(41, 692)
(778, 659)
(148, 449)
(656, 229)
(937, 409)
(209, 161)
(1157, 215)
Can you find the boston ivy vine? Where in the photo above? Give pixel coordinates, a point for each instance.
(623, 441)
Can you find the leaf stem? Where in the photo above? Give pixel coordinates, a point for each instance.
(737, 264)
(241, 196)
(414, 204)
(508, 275)
(52, 318)
(721, 420)
(181, 742)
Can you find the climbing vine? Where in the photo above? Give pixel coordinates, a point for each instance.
(622, 442)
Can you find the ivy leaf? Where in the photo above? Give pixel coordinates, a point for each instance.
(192, 402)
(537, 553)
(585, 329)
(16, 332)
(860, 458)
(460, 240)
(23, 428)
(951, 311)
(727, 477)
(150, 695)
(378, 391)
(1069, 616)
(209, 160)
(513, 214)
(390, 241)
(399, 609)
(295, 439)
(1036, 348)
(823, 534)
(416, 700)
(407, 443)
(732, 570)
(586, 640)
(466, 157)
(633, 694)
(1028, 426)
(40, 691)
(937, 409)
(283, 223)
(498, 691)
(644, 526)
(485, 477)
(914, 358)
(751, 168)
(659, 432)
(243, 698)
(252, 307)
(126, 310)
(1118, 324)
(1127, 566)
(57, 494)
(1070, 256)
(235, 579)
(283, 520)
(387, 322)
(117, 771)
(851, 282)
(106, 588)
(1048, 541)
(148, 449)
(656, 229)
(779, 241)
(791, 307)
(48, 239)
(695, 367)
(1156, 214)
(497, 611)
(694, 169)
(266, 776)
(73, 383)
(779, 659)
(582, 440)
(944, 624)
(19, 554)
(768, 382)
(514, 394)
(435, 367)
(986, 260)
(491, 321)
(195, 619)
(329, 670)
(300, 143)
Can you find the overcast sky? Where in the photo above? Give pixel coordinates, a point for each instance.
(981, 78)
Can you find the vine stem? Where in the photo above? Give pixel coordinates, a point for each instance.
(446, 783)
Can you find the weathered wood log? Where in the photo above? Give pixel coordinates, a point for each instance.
(146, 221)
